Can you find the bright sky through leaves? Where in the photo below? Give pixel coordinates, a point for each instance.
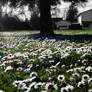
(23, 12)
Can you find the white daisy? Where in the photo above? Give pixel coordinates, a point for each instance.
(89, 69)
(77, 69)
(81, 83)
(50, 85)
(90, 81)
(75, 75)
(15, 83)
(19, 69)
(9, 68)
(61, 78)
(38, 85)
(33, 74)
(1, 91)
(63, 89)
(22, 86)
(10, 56)
(18, 54)
(32, 84)
(28, 80)
(44, 91)
(69, 88)
(90, 90)
(85, 77)
(70, 70)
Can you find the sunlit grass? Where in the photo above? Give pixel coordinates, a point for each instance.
(74, 32)
(62, 32)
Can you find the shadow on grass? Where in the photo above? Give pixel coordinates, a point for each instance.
(75, 38)
(58, 37)
(71, 38)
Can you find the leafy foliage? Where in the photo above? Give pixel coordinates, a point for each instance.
(15, 3)
(76, 1)
(72, 13)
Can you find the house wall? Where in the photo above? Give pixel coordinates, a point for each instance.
(87, 16)
(85, 19)
(80, 20)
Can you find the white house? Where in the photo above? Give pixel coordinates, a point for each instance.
(85, 15)
(59, 14)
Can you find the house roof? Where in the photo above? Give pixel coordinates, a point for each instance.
(83, 12)
(87, 7)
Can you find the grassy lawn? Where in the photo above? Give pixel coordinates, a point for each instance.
(74, 32)
(63, 32)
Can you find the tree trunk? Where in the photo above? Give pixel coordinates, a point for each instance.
(45, 19)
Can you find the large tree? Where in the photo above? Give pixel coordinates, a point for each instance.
(72, 13)
(45, 15)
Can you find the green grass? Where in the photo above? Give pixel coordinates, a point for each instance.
(31, 31)
(74, 32)
(62, 32)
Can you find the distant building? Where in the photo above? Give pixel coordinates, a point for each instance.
(85, 16)
(59, 18)
(59, 14)
(85, 19)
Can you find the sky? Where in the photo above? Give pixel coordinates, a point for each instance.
(62, 8)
